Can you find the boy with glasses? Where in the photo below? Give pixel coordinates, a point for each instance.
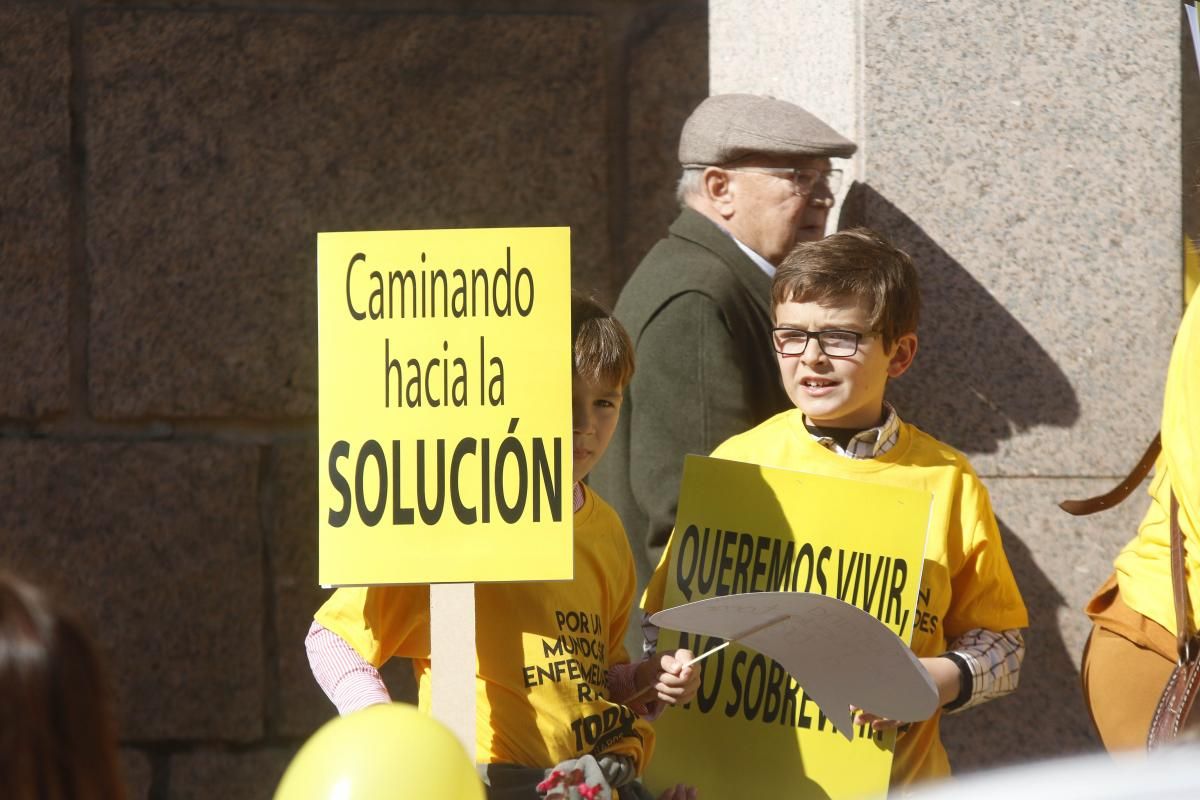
(845, 320)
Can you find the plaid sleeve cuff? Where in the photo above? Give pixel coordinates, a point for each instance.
(990, 662)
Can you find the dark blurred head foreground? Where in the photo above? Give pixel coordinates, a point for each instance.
(57, 734)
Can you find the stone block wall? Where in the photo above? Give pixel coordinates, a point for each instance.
(164, 168)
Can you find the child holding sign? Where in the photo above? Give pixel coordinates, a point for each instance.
(552, 668)
(845, 315)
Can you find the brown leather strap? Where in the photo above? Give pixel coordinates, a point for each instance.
(1122, 490)
(1179, 586)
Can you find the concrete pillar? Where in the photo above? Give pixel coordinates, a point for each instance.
(1027, 155)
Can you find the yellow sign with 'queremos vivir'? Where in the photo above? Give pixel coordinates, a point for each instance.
(445, 384)
(747, 528)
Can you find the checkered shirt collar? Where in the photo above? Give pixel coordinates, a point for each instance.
(871, 443)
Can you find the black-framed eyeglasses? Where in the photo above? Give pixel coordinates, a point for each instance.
(833, 343)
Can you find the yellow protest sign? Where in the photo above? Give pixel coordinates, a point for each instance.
(445, 384)
(752, 731)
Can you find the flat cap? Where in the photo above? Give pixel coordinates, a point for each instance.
(726, 127)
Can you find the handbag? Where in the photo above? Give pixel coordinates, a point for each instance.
(1174, 712)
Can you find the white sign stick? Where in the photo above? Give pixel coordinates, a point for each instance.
(452, 652)
(741, 635)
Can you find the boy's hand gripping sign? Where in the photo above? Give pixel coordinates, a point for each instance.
(743, 528)
(445, 431)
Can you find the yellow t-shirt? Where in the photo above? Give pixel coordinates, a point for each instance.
(1144, 566)
(543, 650)
(966, 581)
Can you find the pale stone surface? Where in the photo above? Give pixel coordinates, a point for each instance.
(205, 774)
(158, 546)
(1059, 561)
(806, 53)
(668, 77)
(211, 173)
(34, 211)
(1030, 163)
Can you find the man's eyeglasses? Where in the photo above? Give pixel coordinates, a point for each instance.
(804, 181)
(835, 343)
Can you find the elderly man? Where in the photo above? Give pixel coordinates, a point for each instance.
(756, 180)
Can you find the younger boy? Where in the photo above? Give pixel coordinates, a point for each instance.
(845, 316)
(524, 718)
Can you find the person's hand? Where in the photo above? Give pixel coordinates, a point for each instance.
(676, 683)
(877, 723)
(946, 677)
(668, 679)
(679, 792)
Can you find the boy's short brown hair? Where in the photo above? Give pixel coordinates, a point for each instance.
(855, 265)
(603, 350)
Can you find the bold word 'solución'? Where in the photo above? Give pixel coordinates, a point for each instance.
(473, 480)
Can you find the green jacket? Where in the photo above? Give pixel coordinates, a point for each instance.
(698, 311)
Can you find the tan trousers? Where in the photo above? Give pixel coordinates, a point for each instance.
(1126, 663)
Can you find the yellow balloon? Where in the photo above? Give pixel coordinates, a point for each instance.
(383, 751)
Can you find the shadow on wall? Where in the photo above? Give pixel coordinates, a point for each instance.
(979, 377)
(1046, 716)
